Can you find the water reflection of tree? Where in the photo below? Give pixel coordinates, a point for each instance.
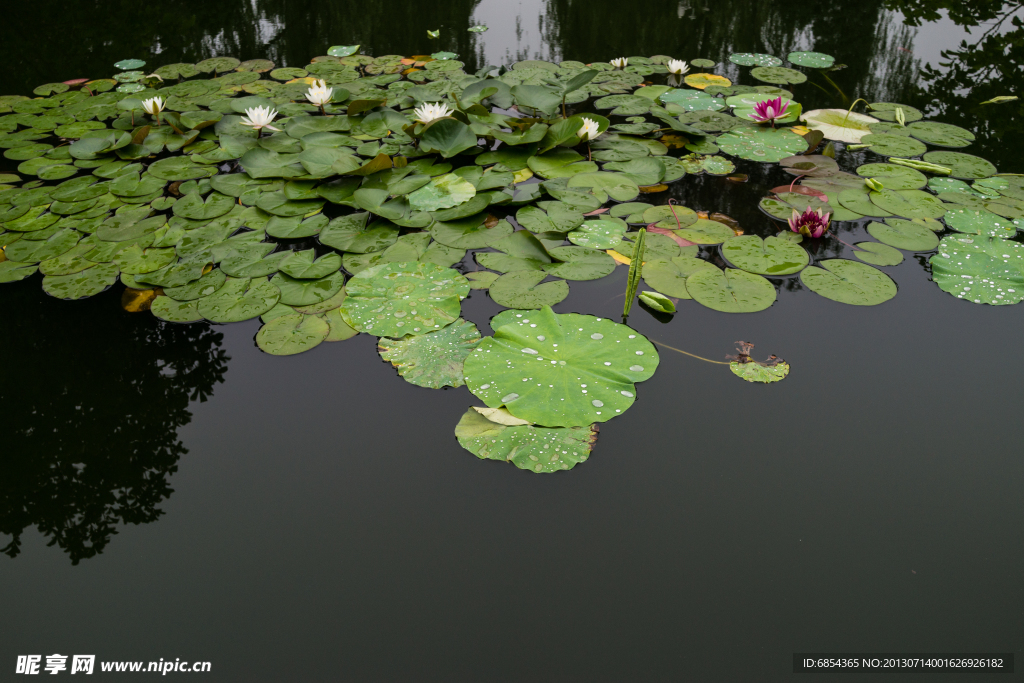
(985, 66)
(93, 398)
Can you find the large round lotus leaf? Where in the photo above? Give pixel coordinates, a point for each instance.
(599, 234)
(290, 334)
(983, 270)
(86, 283)
(12, 271)
(192, 206)
(617, 186)
(432, 360)
(396, 299)
(731, 291)
(904, 234)
(204, 286)
(909, 203)
(761, 144)
(470, 233)
(770, 256)
(778, 75)
(940, 134)
(886, 111)
(296, 292)
(894, 177)
(238, 300)
(894, 145)
(706, 231)
(975, 222)
(754, 59)
(561, 370)
(442, 192)
(813, 60)
(838, 124)
(964, 166)
(849, 282)
(579, 263)
(351, 233)
(701, 81)
(523, 289)
(878, 254)
(668, 276)
(539, 449)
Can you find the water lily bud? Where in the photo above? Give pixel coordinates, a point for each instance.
(874, 184)
(900, 117)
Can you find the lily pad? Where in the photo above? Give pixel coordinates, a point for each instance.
(779, 75)
(599, 234)
(579, 263)
(432, 360)
(731, 290)
(979, 222)
(980, 269)
(904, 234)
(909, 203)
(813, 60)
(838, 124)
(305, 265)
(238, 300)
(351, 233)
(617, 186)
(702, 80)
(397, 299)
(706, 231)
(470, 233)
(889, 145)
(288, 335)
(754, 59)
(761, 144)
(299, 292)
(565, 370)
(86, 283)
(442, 192)
(539, 449)
(13, 271)
(878, 254)
(668, 276)
(770, 256)
(886, 111)
(764, 373)
(893, 176)
(523, 289)
(849, 282)
(940, 134)
(964, 166)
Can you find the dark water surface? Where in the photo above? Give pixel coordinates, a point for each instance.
(312, 518)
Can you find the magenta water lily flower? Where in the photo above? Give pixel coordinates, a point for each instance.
(812, 222)
(769, 110)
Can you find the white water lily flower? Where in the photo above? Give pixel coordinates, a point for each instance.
(589, 129)
(319, 94)
(620, 62)
(430, 111)
(678, 67)
(153, 105)
(260, 117)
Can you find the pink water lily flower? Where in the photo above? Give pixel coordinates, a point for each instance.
(769, 110)
(811, 222)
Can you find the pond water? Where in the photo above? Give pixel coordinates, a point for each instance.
(170, 491)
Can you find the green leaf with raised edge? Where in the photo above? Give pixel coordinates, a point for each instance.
(442, 192)
(668, 276)
(601, 233)
(813, 60)
(396, 299)
(288, 335)
(657, 301)
(305, 265)
(579, 263)
(238, 300)
(770, 256)
(523, 289)
(435, 359)
(298, 292)
(592, 379)
(539, 449)
(617, 186)
(940, 134)
(849, 282)
(753, 371)
(351, 233)
(469, 233)
(731, 290)
(878, 254)
(86, 283)
(975, 222)
(909, 203)
(761, 144)
(964, 166)
(904, 234)
(980, 269)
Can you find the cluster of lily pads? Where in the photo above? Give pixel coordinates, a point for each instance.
(358, 214)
